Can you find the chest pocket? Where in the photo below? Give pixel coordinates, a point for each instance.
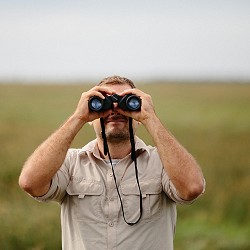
(85, 197)
(151, 199)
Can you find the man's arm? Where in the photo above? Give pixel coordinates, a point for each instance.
(46, 160)
(181, 167)
(43, 164)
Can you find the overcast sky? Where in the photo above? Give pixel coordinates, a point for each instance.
(73, 39)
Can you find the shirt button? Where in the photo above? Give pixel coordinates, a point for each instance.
(111, 175)
(110, 199)
(111, 224)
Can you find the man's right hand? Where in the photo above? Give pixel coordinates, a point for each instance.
(82, 111)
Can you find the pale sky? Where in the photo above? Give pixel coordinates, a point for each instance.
(73, 39)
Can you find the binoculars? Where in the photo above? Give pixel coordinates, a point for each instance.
(128, 102)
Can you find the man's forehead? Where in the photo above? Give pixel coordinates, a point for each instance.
(117, 86)
(116, 80)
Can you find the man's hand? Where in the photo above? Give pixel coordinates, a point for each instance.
(147, 111)
(82, 111)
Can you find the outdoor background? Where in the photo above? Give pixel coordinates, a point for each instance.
(211, 120)
(192, 57)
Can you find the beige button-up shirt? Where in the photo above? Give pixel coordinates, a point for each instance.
(91, 215)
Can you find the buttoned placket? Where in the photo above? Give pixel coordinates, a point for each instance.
(112, 208)
(113, 200)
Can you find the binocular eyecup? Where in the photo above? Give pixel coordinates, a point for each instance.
(128, 102)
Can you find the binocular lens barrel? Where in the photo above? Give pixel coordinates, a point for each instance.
(133, 103)
(96, 104)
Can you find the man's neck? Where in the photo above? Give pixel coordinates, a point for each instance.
(117, 150)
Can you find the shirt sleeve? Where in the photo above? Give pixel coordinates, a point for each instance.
(170, 190)
(60, 181)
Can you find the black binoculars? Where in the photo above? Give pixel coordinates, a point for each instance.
(128, 102)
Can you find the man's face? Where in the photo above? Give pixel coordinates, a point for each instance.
(116, 125)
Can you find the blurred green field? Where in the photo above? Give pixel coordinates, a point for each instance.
(211, 120)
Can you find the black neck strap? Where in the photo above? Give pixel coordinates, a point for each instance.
(133, 157)
(105, 143)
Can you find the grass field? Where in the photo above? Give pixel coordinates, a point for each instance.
(211, 120)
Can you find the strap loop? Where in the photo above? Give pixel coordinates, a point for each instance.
(133, 157)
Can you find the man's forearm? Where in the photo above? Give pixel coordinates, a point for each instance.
(180, 166)
(43, 164)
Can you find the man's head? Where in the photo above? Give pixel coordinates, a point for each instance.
(111, 80)
(116, 125)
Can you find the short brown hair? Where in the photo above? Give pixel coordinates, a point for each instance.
(116, 80)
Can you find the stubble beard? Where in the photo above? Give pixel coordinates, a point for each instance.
(117, 136)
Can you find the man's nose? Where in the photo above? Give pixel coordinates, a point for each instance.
(114, 109)
(115, 105)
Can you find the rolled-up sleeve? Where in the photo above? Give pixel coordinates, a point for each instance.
(170, 190)
(60, 181)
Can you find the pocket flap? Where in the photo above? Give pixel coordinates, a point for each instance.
(84, 187)
(152, 186)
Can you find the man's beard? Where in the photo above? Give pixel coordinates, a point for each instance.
(117, 136)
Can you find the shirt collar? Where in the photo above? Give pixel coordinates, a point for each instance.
(92, 147)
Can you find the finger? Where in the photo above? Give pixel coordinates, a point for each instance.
(103, 90)
(96, 93)
(131, 91)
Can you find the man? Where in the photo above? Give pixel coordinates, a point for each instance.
(82, 180)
